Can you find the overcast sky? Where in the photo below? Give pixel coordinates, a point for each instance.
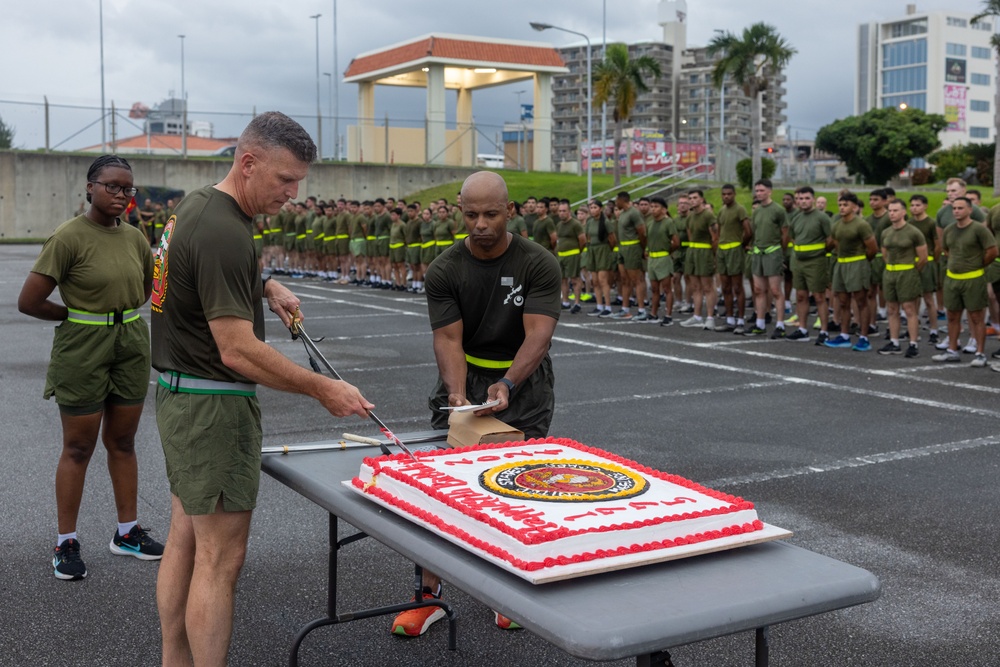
(242, 55)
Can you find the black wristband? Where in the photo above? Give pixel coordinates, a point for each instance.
(264, 279)
(510, 385)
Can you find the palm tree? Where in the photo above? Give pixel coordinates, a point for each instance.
(749, 60)
(992, 8)
(618, 82)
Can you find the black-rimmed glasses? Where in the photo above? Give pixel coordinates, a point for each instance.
(114, 188)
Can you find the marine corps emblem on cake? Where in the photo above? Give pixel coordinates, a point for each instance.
(563, 481)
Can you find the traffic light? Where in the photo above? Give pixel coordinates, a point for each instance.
(770, 150)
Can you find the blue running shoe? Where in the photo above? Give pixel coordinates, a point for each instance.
(136, 543)
(839, 341)
(862, 345)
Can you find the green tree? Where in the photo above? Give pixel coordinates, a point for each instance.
(880, 143)
(750, 59)
(949, 162)
(744, 171)
(618, 81)
(992, 8)
(6, 135)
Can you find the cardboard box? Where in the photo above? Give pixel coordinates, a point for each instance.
(466, 429)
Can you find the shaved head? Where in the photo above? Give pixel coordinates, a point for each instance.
(485, 210)
(485, 185)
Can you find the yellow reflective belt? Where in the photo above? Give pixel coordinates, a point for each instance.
(371, 238)
(341, 236)
(299, 236)
(705, 246)
(766, 251)
(878, 254)
(966, 276)
(930, 258)
(459, 237)
(487, 363)
(444, 242)
(729, 246)
(412, 245)
(615, 249)
(585, 249)
(811, 247)
(393, 246)
(685, 244)
(382, 237)
(428, 244)
(628, 242)
(258, 236)
(659, 253)
(899, 267)
(848, 260)
(102, 319)
(568, 253)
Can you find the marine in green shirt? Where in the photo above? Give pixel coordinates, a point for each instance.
(904, 249)
(770, 233)
(810, 235)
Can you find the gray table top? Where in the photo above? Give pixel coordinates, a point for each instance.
(606, 616)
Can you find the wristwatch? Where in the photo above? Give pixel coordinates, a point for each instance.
(264, 279)
(510, 385)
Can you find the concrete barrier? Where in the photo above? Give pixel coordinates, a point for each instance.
(38, 191)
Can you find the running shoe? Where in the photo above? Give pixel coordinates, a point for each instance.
(979, 361)
(693, 322)
(863, 345)
(740, 329)
(943, 345)
(872, 330)
(415, 622)
(833, 327)
(971, 347)
(641, 317)
(667, 322)
(948, 356)
(779, 332)
(606, 313)
(505, 623)
(933, 338)
(596, 312)
(822, 337)
(66, 562)
(622, 315)
(839, 341)
(725, 327)
(652, 320)
(793, 319)
(818, 323)
(911, 351)
(799, 336)
(755, 331)
(575, 309)
(995, 355)
(890, 348)
(136, 543)
(710, 323)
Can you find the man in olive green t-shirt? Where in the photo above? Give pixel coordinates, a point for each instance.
(770, 235)
(734, 233)
(631, 247)
(855, 244)
(570, 242)
(904, 250)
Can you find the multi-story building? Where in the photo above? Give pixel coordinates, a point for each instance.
(686, 78)
(937, 61)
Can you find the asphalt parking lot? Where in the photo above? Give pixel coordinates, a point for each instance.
(883, 462)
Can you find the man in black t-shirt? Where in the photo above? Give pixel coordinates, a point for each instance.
(493, 302)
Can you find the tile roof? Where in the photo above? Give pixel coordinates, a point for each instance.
(169, 141)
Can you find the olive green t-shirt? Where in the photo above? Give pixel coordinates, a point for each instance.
(966, 246)
(628, 225)
(357, 226)
(208, 269)
(731, 223)
(878, 224)
(343, 226)
(397, 232)
(412, 231)
(515, 225)
(568, 234)
(381, 224)
(699, 226)
(97, 269)
(593, 231)
(928, 228)
(426, 230)
(851, 237)
(945, 218)
(544, 227)
(767, 222)
(901, 244)
(443, 229)
(659, 233)
(529, 223)
(810, 228)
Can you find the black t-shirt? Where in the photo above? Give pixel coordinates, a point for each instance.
(491, 297)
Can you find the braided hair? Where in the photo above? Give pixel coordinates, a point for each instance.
(602, 226)
(102, 163)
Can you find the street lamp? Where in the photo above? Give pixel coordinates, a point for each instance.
(319, 114)
(184, 105)
(336, 90)
(104, 131)
(329, 99)
(722, 105)
(903, 106)
(590, 104)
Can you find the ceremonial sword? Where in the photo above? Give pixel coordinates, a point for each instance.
(299, 332)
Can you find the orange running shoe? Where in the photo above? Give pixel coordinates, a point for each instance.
(505, 623)
(415, 622)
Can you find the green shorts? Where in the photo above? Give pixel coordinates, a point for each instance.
(343, 247)
(811, 275)
(660, 268)
(413, 255)
(700, 262)
(731, 261)
(274, 238)
(397, 255)
(570, 266)
(929, 278)
(852, 276)
(878, 268)
(303, 244)
(330, 247)
(631, 256)
(211, 444)
(602, 258)
(680, 259)
(962, 295)
(289, 242)
(382, 247)
(902, 286)
(585, 260)
(359, 247)
(767, 264)
(427, 253)
(90, 365)
(993, 272)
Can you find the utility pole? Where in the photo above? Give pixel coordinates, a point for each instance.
(319, 113)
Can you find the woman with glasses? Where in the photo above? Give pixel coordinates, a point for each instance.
(99, 366)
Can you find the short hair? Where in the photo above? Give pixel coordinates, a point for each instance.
(787, 194)
(273, 129)
(728, 186)
(696, 191)
(880, 193)
(955, 179)
(624, 196)
(380, 201)
(849, 197)
(897, 200)
(890, 191)
(974, 192)
(766, 182)
(564, 201)
(920, 198)
(413, 206)
(313, 197)
(643, 199)
(661, 201)
(965, 199)
(442, 207)
(805, 190)
(102, 163)
(397, 211)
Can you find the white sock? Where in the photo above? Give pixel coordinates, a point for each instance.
(761, 323)
(805, 331)
(62, 537)
(731, 321)
(124, 528)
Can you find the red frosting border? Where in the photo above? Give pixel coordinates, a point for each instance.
(522, 535)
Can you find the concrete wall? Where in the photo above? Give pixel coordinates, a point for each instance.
(39, 191)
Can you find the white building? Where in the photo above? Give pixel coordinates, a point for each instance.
(937, 61)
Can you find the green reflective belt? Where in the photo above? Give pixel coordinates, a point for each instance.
(703, 246)
(628, 242)
(685, 244)
(289, 233)
(371, 238)
(341, 236)
(766, 251)
(568, 253)
(487, 363)
(848, 260)
(585, 249)
(899, 267)
(412, 245)
(966, 276)
(382, 237)
(258, 236)
(729, 246)
(102, 319)
(459, 237)
(810, 247)
(428, 244)
(181, 383)
(444, 242)
(393, 246)
(878, 254)
(300, 236)
(658, 253)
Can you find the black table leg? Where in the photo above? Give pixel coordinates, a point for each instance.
(761, 641)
